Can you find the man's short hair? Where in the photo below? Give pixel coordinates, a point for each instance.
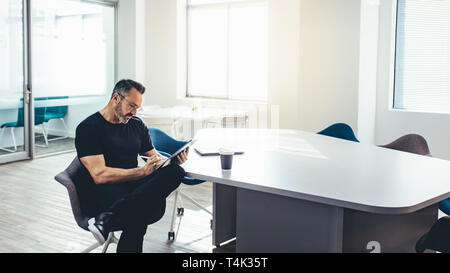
(124, 86)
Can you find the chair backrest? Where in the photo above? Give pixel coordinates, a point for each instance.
(411, 143)
(66, 178)
(163, 142)
(340, 130)
(167, 145)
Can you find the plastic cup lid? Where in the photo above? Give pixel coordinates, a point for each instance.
(226, 151)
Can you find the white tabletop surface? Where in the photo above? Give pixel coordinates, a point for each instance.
(323, 169)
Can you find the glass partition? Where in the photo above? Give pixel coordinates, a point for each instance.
(73, 66)
(12, 133)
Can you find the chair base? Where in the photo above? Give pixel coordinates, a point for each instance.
(180, 211)
(112, 239)
(13, 139)
(60, 137)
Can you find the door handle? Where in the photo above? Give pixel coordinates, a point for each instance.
(27, 95)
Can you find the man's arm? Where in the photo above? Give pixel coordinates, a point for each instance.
(101, 174)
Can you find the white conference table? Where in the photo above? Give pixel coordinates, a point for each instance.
(294, 191)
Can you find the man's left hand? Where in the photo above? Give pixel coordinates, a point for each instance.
(183, 157)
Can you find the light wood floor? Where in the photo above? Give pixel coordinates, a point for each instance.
(54, 146)
(35, 214)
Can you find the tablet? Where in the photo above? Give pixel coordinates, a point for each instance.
(174, 156)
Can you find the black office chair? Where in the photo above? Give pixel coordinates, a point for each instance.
(411, 143)
(68, 178)
(418, 145)
(438, 238)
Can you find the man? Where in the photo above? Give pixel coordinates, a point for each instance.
(117, 192)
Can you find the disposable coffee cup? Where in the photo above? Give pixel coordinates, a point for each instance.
(226, 158)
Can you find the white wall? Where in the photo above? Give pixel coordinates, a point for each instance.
(161, 74)
(131, 40)
(284, 63)
(368, 61)
(329, 63)
(392, 124)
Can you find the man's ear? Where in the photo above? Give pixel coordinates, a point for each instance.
(116, 97)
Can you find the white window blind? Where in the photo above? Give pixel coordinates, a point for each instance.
(422, 67)
(227, 49)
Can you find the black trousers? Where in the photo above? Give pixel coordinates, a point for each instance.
(137, 204)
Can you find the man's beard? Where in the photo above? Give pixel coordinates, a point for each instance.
(120, 115)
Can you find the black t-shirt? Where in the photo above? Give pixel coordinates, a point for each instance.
(120, 144)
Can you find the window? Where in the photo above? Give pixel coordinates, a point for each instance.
(227, 49)
(422, 62)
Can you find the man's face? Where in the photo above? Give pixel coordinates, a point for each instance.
(127, 105)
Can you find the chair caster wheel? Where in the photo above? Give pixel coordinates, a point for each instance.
(171, 236)
(180, 211)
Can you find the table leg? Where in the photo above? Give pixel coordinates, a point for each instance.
(268, 223)
(224, 213)
(273, 223)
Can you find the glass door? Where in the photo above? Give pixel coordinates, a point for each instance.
(14, 92)
(73, 67)
(57, 67)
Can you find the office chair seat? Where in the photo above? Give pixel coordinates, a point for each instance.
(50, 116)
(339, 130)
(9, 124)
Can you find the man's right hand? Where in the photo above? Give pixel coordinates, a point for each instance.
(152, 163)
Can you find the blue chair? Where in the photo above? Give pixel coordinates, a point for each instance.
(39, 119)
(340, 130)
(56, 113)
(444, 206)
(167, 145)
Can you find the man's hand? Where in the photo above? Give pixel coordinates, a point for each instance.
(183, 157)
(152, 163)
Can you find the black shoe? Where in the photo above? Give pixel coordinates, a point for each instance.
(101, 226)
(420, 245)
